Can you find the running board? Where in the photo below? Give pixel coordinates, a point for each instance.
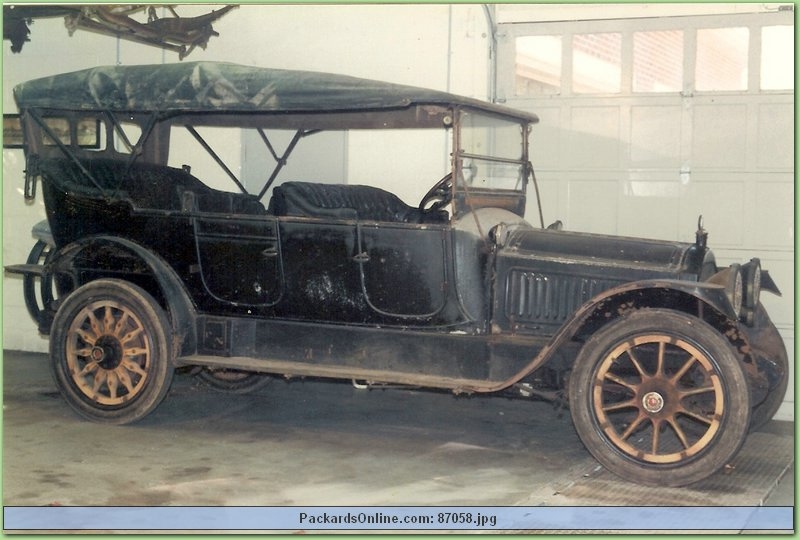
(300, 369)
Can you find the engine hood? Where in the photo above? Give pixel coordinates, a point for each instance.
(542, 277)
(644, 257)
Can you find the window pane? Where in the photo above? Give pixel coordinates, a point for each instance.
(597, 63)
(777, 58)
(480, 173)
(722, 59)
(12, 131)
(538, 65)
(658, 61)
(60, 128)
(133, 133)
(489, 136)
(90, 133)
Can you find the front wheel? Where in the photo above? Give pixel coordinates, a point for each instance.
(110, 351)
(659, 397)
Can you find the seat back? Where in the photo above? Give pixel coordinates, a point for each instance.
(340, 201)
(144, 185)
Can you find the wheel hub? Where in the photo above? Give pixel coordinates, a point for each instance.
(107, 352)
(653, 402)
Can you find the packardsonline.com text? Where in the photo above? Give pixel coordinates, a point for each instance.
(437, 520)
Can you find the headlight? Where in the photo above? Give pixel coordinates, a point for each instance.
(734, 288)
(752, 290)
(732, 279)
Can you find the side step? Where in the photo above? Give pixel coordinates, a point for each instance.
(301, 369)
(25, 269)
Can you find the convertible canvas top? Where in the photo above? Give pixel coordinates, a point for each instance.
(226, 87)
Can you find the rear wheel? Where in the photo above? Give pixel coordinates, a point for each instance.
(110, 353)
(233, 381)
(659, 397)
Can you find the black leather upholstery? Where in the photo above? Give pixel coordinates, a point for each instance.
(145, 185)
(338, 201)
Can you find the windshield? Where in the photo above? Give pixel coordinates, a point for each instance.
(491, 152)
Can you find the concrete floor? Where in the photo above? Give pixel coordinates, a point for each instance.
(310, 443)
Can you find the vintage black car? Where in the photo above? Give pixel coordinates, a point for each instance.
(666, 361)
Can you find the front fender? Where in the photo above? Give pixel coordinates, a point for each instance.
(111, 256)
(711, 294)
(691, 297)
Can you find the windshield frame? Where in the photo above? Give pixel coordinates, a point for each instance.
(468, 198)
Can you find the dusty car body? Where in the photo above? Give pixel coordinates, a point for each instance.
(666, 360)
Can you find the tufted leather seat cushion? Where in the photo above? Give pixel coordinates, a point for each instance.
(367, 203)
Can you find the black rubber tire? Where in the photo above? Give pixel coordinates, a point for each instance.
(658, 397)
(110, 352)
(38, 291)
(762, 414)
(233, 381)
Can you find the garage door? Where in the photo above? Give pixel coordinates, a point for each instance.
(648, 123)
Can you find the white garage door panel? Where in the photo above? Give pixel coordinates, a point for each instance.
(656, 136)
(719, 137)
(550, 191)
(775, 137)
(654, 195)
(546, 138)
(648, 163)
(771, 222)
(593, 140)
(593, 205)
(758, 205)
(721, 203)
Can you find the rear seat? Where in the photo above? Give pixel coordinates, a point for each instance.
(339, 201)
(146, 185)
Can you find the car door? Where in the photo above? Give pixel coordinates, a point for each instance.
(321, 280)
(240, 259)
(402, 270)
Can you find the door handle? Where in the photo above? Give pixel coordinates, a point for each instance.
(270, 252)
(362, 257)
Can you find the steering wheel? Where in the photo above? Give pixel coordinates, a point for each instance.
(438, 196)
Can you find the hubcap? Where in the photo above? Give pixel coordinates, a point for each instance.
(653, 402)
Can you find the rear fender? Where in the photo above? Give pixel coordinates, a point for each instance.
(114, 257)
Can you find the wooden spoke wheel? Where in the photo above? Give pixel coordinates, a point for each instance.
(109, 351)
(659, 397)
